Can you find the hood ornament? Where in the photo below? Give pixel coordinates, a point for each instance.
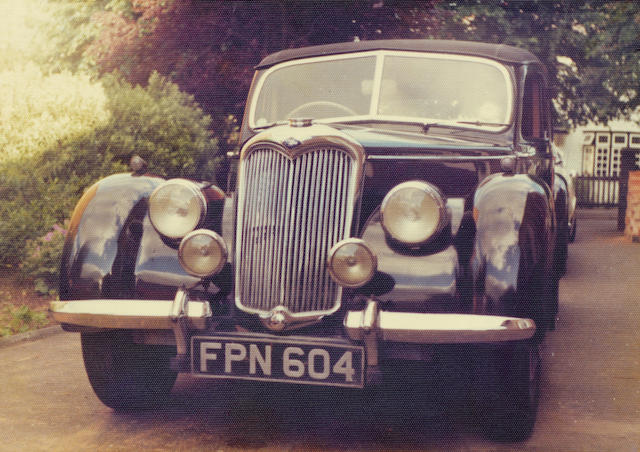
(300, 122)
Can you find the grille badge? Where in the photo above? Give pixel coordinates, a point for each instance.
(281, 319)
(277, 320)
(291, 142)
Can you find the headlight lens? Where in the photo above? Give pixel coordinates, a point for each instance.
(176, 208)
(351, 263)
(202, 253)
(413, 212)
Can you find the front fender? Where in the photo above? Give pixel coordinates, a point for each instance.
(113, 251)
(414, 281)
(512, 250)
(97, 224)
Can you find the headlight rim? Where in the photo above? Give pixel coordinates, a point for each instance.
(218, 239)
(334, 249)
(435, 194)
(199, 195)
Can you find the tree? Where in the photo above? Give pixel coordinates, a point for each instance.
(209, 48)
(588, 46)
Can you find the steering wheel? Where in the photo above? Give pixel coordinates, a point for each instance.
(321, 106)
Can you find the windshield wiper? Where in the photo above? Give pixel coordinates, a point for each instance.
(271, 124)
(424, 125)
(483, 123)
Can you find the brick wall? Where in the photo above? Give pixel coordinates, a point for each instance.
(632, 220)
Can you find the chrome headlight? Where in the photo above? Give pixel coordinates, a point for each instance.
(351, 263)
(176, 208)
(413, 212)
(202, 253)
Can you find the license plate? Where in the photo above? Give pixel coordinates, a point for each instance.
(287, 360)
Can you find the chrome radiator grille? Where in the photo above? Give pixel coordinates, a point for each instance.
(290, 213)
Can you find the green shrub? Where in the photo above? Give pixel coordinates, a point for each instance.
(158, 122)
(42, 261)
(20, 319)
(38, 111)
(161, 124)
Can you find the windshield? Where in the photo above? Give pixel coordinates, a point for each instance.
(387, 86)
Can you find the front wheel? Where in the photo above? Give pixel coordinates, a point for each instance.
(125, 375)
(509, 390)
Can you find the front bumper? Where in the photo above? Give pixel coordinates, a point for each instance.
(388, 326)
(371, 326)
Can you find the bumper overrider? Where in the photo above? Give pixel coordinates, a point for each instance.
(367, 328)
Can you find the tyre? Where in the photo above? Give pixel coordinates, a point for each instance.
(125, 375)
(509, 391)
(574, 231)
(562, 248)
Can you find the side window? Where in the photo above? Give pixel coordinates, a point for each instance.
(534, 121)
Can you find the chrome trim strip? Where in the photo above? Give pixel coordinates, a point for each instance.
(421, 328)
(131, 314)
(443, 158)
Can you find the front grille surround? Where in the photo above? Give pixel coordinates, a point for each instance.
(293, 206)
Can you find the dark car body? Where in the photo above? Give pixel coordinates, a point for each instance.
(319, 281)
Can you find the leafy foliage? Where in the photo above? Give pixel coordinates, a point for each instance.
(209, 48)
(158, 122)
(587, 44)
(20, 319)
(38, 111)
(42, 261)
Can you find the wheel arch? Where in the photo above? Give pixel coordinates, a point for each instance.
(513, 247)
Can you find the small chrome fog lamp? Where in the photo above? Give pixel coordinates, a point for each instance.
(413, 212)
(351, 263)
(202, 253)
(176, 208)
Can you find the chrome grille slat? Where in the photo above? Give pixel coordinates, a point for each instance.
(291, 212)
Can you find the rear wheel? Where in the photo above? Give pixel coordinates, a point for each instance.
(509, 390)
(125, 375)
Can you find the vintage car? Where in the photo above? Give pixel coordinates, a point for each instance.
(391, 197)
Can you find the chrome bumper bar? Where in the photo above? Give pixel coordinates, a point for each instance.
(420, 328)
(129, 314)
(385, 325)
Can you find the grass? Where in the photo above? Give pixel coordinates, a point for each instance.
(21, 308)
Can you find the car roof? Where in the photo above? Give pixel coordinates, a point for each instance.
(499, 52)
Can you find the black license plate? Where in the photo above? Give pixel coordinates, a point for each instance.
(288, 360)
